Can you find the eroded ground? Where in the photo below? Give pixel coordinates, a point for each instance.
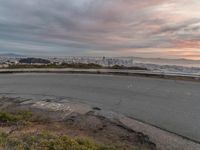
(46, 124)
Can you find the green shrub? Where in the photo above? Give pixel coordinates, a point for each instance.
(49, 141)
(20, 116)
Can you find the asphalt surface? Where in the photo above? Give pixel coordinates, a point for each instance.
(169, 104)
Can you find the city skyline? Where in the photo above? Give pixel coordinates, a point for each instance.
(145, 28)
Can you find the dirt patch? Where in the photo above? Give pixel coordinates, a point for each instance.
(68, 121)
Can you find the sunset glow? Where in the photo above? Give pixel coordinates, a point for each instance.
(144, 28)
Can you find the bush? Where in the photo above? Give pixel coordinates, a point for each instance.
(20, 116)
(49, 141)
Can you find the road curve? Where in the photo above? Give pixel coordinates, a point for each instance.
(169, 104)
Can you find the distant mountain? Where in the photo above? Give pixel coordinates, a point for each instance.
(11, 55)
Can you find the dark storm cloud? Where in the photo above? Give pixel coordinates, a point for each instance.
(79, 26)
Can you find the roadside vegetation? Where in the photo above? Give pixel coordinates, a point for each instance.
(73, 65)
(14, 118)
(64, 65)
(41, 140)
(48, 141)
(18, 131)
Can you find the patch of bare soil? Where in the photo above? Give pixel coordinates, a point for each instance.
(90, 125)
(94, 127)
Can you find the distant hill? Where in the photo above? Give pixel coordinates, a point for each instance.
(11, 55)
(34, 61)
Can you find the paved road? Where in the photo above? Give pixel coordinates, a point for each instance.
(168, 104)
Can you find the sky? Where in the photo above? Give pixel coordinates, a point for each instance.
(142, 28)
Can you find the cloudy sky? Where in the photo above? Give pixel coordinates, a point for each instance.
(147, 28)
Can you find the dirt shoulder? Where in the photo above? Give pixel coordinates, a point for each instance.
(57, 120)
